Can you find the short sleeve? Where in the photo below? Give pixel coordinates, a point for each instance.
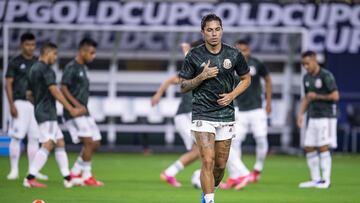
(10, 72)
(187, 71)
(67, 77)
(306, 90)
(49, 76)
(241, 66)
(263, 71)
(330, 83)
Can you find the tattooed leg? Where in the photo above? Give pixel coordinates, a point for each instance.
(206, 142)
(222, 149)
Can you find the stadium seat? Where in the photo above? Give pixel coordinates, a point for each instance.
(95, 107)
(168, 107)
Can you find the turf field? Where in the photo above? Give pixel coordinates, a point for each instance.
(133, 178)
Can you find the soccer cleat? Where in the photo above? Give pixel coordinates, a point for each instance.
(170, 179)
(254, 176)
(33, 183)
(12, 176)
(242, 182)
(230, 183)
(72, 175)
(309, 184)
(323, 184)
(93, 182)
(68, 183)
(41, 176)
(203, 198)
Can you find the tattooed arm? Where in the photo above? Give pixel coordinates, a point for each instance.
(208, 72)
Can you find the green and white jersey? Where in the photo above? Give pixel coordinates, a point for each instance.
(185, 105)
(18, 69)
(41, 76)
(322, 83)
(205, 96)
(251, 98)
(75, 78)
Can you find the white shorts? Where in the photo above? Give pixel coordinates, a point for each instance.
(321, 132)
(183, 126)
(25, 123)
(253, 120)
(222, 130)
(83, 126)
(50, 130)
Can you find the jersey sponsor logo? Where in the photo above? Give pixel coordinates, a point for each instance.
(318, 83)
(227, 64)
(22, 66)
(198, 123)
(252, 70)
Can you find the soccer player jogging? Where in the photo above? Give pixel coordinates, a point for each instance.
(208, 71)
(42, 83)
(250, 115)
(182, 124)
(75, 87)
(22, 111)
(319, 101)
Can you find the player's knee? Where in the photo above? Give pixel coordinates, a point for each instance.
(208, 163)
(49, 146)
(324, 148)
(60, 143)
(309, 149)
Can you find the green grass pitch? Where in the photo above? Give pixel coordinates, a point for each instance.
(134, 178)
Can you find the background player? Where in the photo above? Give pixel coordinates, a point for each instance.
(321, 95)
(75, 87)
(42, 82)
(22, 111)
(208, 71)
(182, 124)
(250, 115)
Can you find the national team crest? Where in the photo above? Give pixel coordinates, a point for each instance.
(227, 64)
(252, 70)
(81, 74)
(22, 66)
(318, 83)
(307, 84)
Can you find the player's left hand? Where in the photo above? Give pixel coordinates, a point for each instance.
(268, 108)
(226, 99)
(311, 96)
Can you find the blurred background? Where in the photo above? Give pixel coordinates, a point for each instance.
(139, 48)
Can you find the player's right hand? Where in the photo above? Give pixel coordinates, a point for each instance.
(155, 100)
(300, 121)
(13, 111)
(78, 111)
(209, 72)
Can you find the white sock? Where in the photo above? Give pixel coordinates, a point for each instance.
(262, 147)
(62, 161)
(314, 165)
(86, 170)
(235, 165)
(14, 147)
(39, 161)
(174, 169)
(325, 163)
(32, 148)
(209, 198)
(77, 168)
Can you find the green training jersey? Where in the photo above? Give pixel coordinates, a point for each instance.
(251, 98)
(75, 78)
(41, 76)
(322, 83)
(18, 69)
(205, 96)
(185, 105)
